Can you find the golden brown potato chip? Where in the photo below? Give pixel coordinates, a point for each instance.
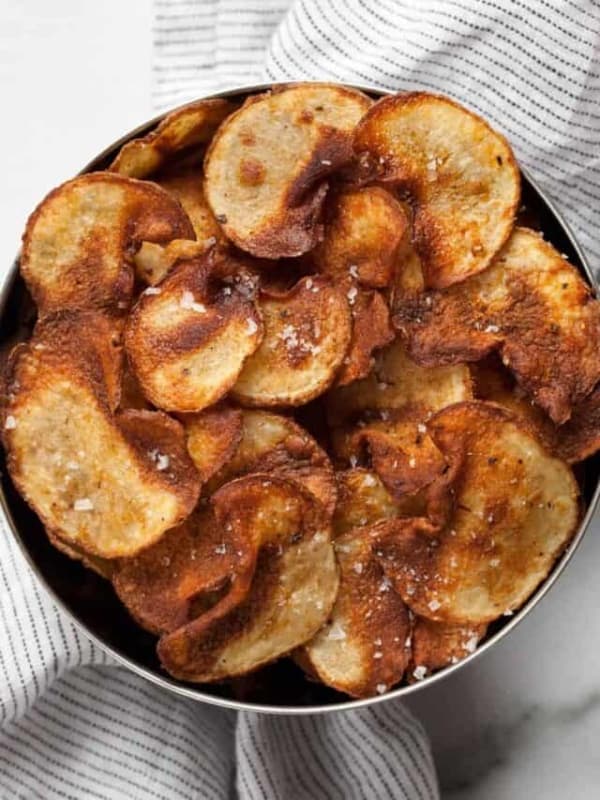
(131, 392)
(364, 229)
(192, 125)
(533, 306)
(397, 381)
(186, 185)
(266, 167)
(579, 438)
(213, 437)
(101, 566)
(109, 486)
(435, 645)
(515, 509)
(363, 649)
(187, 340)
(364, 500)
(153, 262)
(194, 568)
(371, 330)
(293, 587)
(79, 242)
(307, 333)
(274, 444)
(461, 174)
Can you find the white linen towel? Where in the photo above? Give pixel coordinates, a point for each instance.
(74, 725)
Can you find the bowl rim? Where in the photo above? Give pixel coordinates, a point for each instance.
(192, 691)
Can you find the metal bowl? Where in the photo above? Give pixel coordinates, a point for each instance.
(281, 688)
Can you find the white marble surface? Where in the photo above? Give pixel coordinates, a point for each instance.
(523, 721)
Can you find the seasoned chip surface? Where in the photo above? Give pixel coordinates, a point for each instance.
(186, 185)
(515, 509)
(293, 587)
(371, 330)
(213, 437)
(362, 650)
(268, 198)
(534, 306)
(110, 486)
(307, 333)
(194, 124)
(364, 229)
(79, 242)
(187, 340)
(274, 444)
(397, 381)
(462, 176)
(437, 644)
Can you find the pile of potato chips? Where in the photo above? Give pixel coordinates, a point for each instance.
(299, 386)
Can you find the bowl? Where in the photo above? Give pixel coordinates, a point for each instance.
(281, 688)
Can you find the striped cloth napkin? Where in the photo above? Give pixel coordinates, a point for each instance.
(74, 725)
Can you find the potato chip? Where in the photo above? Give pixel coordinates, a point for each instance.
(579, 438)
(131, 392)
(533, 306)
(364, 500)
(307, 333)
(153, 262)
(397, 381)
(193, 569)
(109, 486)
(79, 242)
(213, 437)
(292, 591)
(187, 340)
(362, 650)
(186, 185)
(515, 509)
(101, 566)
(461, 174)
(268, 198)
(371, 330)
(274, 444)
(435, 645)
(364, 229)
(190, 126)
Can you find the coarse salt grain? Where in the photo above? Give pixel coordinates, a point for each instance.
(369, 480)
(412, 463)
(494, 562)
(336, 633)
(419, 673)
(378, 654)
(10, 423)
(162, 462)
(351, 295)
(83, 504)
(422, 428)
(381, 688)
(434, 605)
(221, 549)
(326, 162)
(251, 327)
(471, 645)
(358, 568)
(491, 329)
(152, 290)
(187, 301)
(309, 283)
(353, 270)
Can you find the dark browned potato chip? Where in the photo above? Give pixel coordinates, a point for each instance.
(364, 229)
(461, 174)
(274, 444)
(267, 164)
(194, 568)
(515, 509)
(579, 438)
(192, 125)
(533, 306)
(213, 437)
(371, 330)
(364, 500)
(109, 486)
(307, 333)
(187, 340)
(397, 381)
(364, 648)
(79, 242)
(292, 591)
(435, 645)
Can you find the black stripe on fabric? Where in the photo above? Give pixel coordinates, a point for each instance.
(51, 729)
(49, 637)
(25, 771)
(299, 769)
(27, 746)
(145, 734)
(338, 732)
(307, 729)
(190, 740)
(408, 728)
(249, 726)
(248, 761)
(136, 761)
(11, 644)
(63, 637)
(329, 748)
(249, 791)
(404, 754)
